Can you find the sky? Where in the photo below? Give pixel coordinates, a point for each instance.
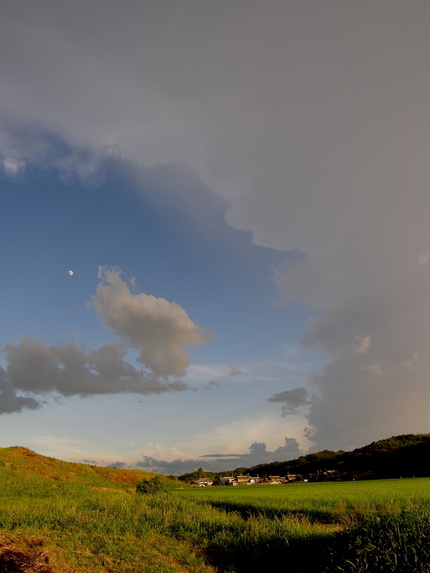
(214, 219)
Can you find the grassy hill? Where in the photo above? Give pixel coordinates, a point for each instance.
(28, 465)
(62, 517)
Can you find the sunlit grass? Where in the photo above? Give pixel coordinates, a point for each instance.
(121, 528)
(330, 502)
(94, 524)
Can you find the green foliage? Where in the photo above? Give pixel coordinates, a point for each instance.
(387, 544)
(240, 471)
(194, 476)
(150, 485)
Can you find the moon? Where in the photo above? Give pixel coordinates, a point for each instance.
(70, 273)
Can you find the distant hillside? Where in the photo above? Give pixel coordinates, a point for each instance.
(37, 467)
(406, 455)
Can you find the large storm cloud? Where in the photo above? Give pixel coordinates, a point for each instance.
(311, 119)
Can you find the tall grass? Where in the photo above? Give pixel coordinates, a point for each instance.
(221, 529)
(386, 544)
(384, 525)
(100, 527)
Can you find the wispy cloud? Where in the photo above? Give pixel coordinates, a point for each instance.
(13, 166)
(24, 147)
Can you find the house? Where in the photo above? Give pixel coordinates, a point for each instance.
(334, 475)
(276, 479)
(227, 480)
(291, 478)
(238, 480)
(327, 475)
(245, 480)
(202, 482)
(318, 476)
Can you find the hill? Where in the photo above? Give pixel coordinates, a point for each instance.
(406, 455)
(62, 517)
(34, 467)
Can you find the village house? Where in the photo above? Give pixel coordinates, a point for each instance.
(334, 475)
(238, 480)
(245, 480)
(276, 479)
(202, 482)
(227, 480)
(292, 478)
(328, 475)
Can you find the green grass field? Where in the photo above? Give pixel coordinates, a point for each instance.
(330, 502)
(362, 526)
(69, 518)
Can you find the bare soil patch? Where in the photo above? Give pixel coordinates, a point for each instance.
(23, 555)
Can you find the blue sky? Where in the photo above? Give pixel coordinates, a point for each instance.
(241, 193)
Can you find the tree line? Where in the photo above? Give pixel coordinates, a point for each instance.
(406, 455)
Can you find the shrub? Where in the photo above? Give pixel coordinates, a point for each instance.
(151, 485)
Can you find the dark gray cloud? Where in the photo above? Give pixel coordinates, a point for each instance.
(289, 450)
(70, 370)
(116, 465)
(10, 400)
(258, 454)
(293, 401)
(221, 456)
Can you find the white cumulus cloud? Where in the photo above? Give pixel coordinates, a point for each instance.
(160, 330)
